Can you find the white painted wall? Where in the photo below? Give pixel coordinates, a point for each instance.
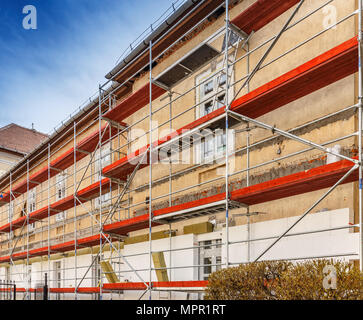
(338, 242)
(299, 246)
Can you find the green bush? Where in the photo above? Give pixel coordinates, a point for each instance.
(282, 280)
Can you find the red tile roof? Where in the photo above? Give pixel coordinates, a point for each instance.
(19, 139)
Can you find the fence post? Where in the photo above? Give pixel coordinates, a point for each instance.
(45, 289)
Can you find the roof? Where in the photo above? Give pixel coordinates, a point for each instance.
(19, 139)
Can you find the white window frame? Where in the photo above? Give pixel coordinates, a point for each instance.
(105, 160)
(214, 253)
(213, 142)
(61, 187)
(106, 200)
(32, 206)
(57, 276)
(10, 218)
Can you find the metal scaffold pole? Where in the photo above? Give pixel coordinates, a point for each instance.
(48, 225)
(28, 279)
(11, 214)
(360, 105)
(150, 167)
(75, 206)
(227, 133)
(98, 265)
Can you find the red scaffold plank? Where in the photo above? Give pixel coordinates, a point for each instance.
(156, 284)
(61, 247)
(121, 168)
(191, 204)
(85, 290)
(88, 144)
(295, 184)
(12, 289)
(125, 226)
(62, 162)
(261, 13)
(303, 80)
(133, 103)
(137, 223)
(313, 75)
(18, 223)
(86, 194)
(81, 243)
(298, 183)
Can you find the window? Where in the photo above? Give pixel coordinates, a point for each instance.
(10, 218)
(57, 269)
(105, 199)
(60, 187)
(96, 272)
(28, 275)
(105, 160)
(209, 86)
(32, 200)
(212, 145)
(210, 257)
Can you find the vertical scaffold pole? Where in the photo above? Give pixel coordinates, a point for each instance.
(360, 104)
(11, 214)
(100, 182)
(48, 203)
(150, 166)
(74, 207)
(248, 166)
(226, 133)
(27, 233)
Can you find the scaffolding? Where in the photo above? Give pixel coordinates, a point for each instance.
(96, 173)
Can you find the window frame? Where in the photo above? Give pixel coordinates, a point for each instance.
(60, 185)
(200, 147)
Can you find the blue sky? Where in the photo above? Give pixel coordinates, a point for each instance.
(45, 74)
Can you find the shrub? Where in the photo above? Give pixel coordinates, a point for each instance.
(253, 281)
(271, 280)
(305, 281)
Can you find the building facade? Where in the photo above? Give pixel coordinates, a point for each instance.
(254, 127)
